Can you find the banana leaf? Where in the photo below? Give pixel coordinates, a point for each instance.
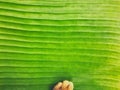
(43, 42)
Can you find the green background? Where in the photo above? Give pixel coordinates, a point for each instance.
(46, 41)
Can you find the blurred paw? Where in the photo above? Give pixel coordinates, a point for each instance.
(65, 85)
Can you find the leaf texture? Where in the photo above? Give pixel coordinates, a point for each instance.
(46, 41)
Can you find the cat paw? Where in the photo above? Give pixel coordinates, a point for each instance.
(65, 85)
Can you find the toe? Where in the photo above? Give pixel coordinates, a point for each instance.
(70, 87)
(58, 86)
(65, 85)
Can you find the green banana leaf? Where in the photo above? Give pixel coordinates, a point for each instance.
(43, 42)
